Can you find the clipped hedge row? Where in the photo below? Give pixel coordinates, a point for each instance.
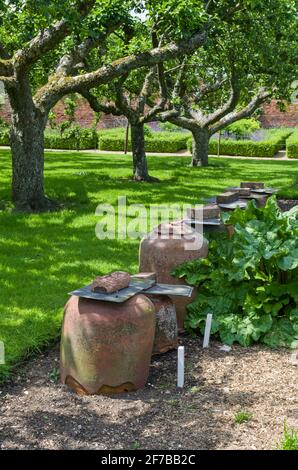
(151, 145)
(292, 146)
(85, 139)
(163, 142)
(249, 148)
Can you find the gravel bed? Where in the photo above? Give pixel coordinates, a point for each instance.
(36, 412)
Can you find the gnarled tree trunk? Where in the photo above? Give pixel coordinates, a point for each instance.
(27, 146)
(140, 168)
(200, 147)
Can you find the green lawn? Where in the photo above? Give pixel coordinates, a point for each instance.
(44, 256)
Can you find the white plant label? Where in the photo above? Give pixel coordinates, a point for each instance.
(207, 330)
(180, 367)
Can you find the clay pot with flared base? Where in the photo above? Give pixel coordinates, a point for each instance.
(106, 347)
(166, 331)
(163, 255)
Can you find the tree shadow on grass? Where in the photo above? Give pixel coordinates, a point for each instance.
(45, 256)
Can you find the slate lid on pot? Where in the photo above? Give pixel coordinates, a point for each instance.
(134, 288)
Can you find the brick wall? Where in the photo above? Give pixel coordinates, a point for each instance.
(84, 115)
(271, 116)
(5, 111)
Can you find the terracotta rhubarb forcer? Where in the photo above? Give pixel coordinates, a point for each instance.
(166, 332)
(106, 347)
(162, 255)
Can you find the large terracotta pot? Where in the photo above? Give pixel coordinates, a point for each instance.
(162, 256)
(166, 331)
(106, 347)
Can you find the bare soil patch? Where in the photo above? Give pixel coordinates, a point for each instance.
(38, 413)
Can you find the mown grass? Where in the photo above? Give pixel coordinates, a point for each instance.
(44, 256)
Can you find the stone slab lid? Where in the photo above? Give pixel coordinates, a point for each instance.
(267, 191)
(215, 222)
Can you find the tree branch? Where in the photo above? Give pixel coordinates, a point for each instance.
(229, 106)
(6, 70)
(59, 86)
(178, 89)
(121, 101)
(79, 53)
(146, 91)
(206, 89)
(99, 107)
(173, 116)
(245, 112)
(159, 107)
(47, 39)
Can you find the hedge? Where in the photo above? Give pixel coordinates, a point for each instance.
(84, 139)
(159, 142)
(249, 148)
(292, 146)
(165, 142)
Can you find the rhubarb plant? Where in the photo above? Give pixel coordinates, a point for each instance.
(250, 281)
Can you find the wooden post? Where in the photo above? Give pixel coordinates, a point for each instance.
(218, 144)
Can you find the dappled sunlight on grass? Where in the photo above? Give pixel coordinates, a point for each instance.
(44, 256)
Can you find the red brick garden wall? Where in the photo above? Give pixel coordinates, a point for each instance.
(271, 116)
(84, 115)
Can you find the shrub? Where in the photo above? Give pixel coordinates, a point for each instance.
(292, 146)
(243, 127)
(74, 138)
(4, 132)
(166, 145)
(248, 148)
(281, 135)
(249, 282)
(147, 131)
(5, 136)
(161, 142)
(112, 143)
